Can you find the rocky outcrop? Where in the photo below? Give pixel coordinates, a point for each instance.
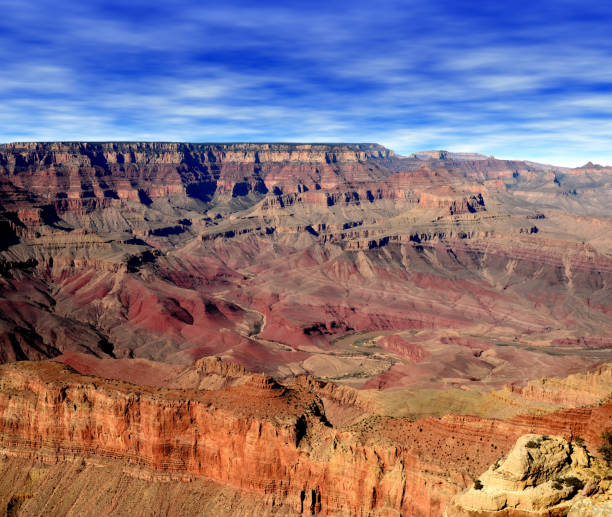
(256, 435)
(587, 508)
(540, 476)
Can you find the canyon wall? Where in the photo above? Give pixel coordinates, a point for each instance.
(269, 254)
(372, 286)
(80, 177)
(262, 437)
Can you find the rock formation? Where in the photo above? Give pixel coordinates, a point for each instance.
(418, 313)
(258, 436)
(540, 476)
(172, 252)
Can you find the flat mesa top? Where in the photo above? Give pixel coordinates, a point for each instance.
(241, 145)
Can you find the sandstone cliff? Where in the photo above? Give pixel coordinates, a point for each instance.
(540, 476)
(269, 254)
(258, 436)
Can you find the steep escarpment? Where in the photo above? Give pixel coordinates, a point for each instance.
(85, 176)
(258, 436)
(339, 262)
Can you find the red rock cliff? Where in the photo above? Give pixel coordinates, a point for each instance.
(259, 436)
(262, 437)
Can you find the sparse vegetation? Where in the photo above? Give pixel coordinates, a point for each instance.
(532, 444)
(574, 482)
(579, 441)
(256, 328)
(557, 484)
(364, 341)
(606, 447)
(478, 485)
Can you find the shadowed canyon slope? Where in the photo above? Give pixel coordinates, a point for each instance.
(420, 312)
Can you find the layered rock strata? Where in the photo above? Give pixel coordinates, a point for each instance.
(268, 254)
(540, 476)
(261, 437)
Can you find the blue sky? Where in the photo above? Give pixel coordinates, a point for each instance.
(528, 80)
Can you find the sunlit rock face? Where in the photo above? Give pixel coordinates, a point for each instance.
(540, 476)
(420, 313)
(464, 270)
(269, 447)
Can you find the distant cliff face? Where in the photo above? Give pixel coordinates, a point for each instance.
(267, 253)
(106, 171)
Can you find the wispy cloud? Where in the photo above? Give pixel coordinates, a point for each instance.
(516, 81)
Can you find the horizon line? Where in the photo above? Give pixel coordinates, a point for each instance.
(280, 142)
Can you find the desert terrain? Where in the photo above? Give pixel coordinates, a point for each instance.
(285, 329)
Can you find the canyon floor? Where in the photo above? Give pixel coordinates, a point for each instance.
(404, 317)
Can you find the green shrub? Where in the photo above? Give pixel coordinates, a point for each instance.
(606, 447)
(532, 445)
(579, 441)
(557, 485)
(478, 485)
(574, 482)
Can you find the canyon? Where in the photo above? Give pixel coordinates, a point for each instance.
(274, 442)
(291, 329)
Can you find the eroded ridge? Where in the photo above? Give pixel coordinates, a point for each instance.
(270, 440)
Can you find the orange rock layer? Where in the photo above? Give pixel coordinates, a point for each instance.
(259, 436)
